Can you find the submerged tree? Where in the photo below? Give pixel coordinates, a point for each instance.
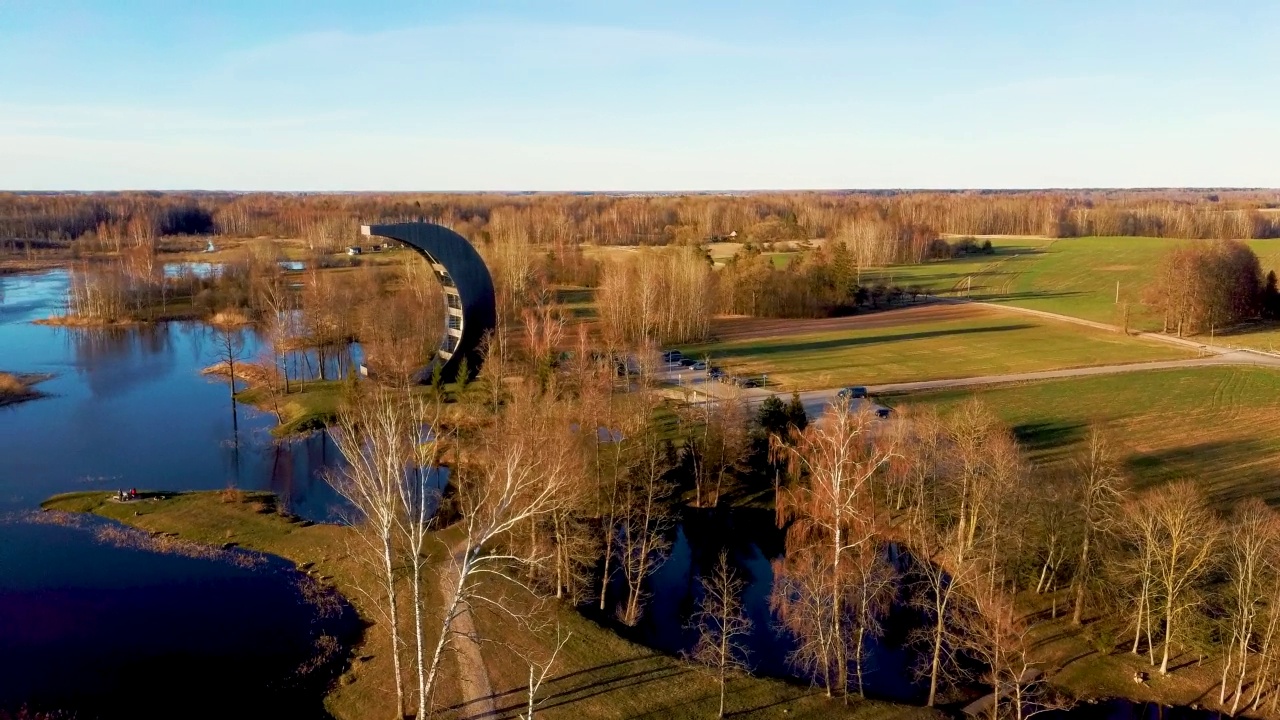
(832, 511)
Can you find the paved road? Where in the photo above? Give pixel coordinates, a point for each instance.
(695, 386)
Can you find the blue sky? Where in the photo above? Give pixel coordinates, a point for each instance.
(320, 95)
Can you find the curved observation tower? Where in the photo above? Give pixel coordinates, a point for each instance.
(470, 305)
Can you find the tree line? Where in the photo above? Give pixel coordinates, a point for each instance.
(1201, 287)
(107, 219)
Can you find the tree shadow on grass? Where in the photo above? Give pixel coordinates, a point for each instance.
(853, 342)
(574, 687)
(1050, 438)
(1225, 469)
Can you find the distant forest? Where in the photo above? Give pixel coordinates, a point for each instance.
(113, 220)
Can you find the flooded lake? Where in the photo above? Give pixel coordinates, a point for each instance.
(117, 631)
(96, 627)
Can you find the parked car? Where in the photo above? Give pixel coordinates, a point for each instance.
(687, 362)
(699, 365)
(715, 373)
(749, 382)
(672, 356)
(852, 393)
(883, 412)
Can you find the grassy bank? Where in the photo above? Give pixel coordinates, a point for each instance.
(249, 520)
(19, 387)
(599, 675)
(308, 406)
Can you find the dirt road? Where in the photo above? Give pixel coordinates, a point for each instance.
(473, 677)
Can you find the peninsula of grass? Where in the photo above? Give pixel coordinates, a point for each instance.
(19, 387)
(597, 675)
(875, 349)
(306, 407)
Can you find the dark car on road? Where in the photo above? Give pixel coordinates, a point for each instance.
(852, 393)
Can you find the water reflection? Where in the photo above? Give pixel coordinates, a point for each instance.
(82, 624)
(753, 540)
(129, 408)
(115, 632)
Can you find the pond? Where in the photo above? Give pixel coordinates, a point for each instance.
(752, 541)
(97, 626)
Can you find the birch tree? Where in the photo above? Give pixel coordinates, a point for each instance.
(645, 522)
(1100, 490)
(507, 489)
(833, 505)
(1184, 532)
(721, 624)
(1252, 543)
(375, 435)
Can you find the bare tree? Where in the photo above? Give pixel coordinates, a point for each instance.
(873, 584)
(1182, 531)
(375, 435)
(419, 499)
(230, 344)
(993, 633)
(1252, 543)
(801, 598)
(1100, 491)
(539, 668)
(508, 490)
(833, 506)
(721, 623)
(717, 442)
(644, 522)
(943, 574)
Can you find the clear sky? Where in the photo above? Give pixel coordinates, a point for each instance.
(654, 95)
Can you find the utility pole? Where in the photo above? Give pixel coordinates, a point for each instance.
(1117, 292)
(968, 285)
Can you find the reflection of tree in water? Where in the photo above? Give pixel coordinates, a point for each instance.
(755, 545)
(115, 360)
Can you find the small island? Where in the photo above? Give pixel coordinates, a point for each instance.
(20, 387)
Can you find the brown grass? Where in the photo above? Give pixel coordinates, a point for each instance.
(11, 385)
(17, 388)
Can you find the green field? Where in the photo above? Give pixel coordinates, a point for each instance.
(979, 274)
(1071, 276)
(1078, 276)
(985, 343)
(1215, 425)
